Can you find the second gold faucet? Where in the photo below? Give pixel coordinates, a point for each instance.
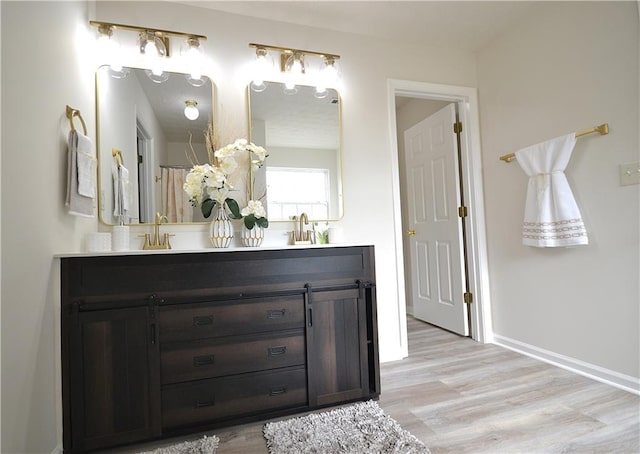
(300, 236)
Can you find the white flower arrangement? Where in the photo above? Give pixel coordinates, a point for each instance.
(208, 184)
(254, 213)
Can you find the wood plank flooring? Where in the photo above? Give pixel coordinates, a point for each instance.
(458, 396)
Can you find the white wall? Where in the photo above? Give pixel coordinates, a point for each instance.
(43, 69)
(35, 225)
(566, 70)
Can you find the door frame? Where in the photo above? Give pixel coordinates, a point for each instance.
(467, 101)
(146, 197)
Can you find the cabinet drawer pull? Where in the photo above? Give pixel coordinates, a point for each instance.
(202, 320)
(277, 351)
(278, 391)
(204, 403)
(205, 360)
(275, 313)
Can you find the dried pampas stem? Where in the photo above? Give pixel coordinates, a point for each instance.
(191, 157)
(210, 141)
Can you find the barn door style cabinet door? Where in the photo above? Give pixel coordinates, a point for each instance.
(340, 346)
(114, 376)
(156, 345)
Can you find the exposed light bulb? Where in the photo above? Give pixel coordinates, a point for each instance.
(294, 70)
(154, 49)
(193, 60)
(109, 51)
(262, 69)
(295, 65)
(327, 78)
(191, 111)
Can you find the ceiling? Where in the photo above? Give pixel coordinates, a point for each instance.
(467, 25)
(299, 120)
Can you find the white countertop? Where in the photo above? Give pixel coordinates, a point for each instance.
(204, 250)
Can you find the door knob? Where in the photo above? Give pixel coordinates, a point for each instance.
(411, 232)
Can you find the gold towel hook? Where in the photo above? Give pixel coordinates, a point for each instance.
(118, 155)
(71, 112)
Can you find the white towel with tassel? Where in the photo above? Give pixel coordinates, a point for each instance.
(552, 217)
(78, 204)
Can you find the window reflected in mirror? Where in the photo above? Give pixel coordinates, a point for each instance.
(158, 128)
(302, 136)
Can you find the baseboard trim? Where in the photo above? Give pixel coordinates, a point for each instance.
(601, 374)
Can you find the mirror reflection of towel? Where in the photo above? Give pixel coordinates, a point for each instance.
(121, 194)
(552, 217)
(79, 205)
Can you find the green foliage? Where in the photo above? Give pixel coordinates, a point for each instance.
(251, 220)
(232, 205)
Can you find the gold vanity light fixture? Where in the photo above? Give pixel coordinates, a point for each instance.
(191, 111)
(294, 65)
(155, 44)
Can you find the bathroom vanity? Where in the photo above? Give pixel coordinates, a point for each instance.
(158, 344)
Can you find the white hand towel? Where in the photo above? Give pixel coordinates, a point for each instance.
(86, 167)
(79, 205)
(552, 217)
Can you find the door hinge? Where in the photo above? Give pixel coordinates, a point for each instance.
(457, 127)
(468, 297)
(462, 212)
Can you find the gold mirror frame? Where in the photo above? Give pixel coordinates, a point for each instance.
(299, 125)
(109, 139)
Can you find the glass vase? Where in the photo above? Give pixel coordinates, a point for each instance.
(252, 237)
(221, 229)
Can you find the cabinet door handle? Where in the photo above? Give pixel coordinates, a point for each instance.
(277, 351)
(275, 313)
(204, 403)
(205, 360)
(202, 320)
(278, 391)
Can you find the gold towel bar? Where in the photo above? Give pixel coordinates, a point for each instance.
(602, 129)
(118, 155)
(71, 112)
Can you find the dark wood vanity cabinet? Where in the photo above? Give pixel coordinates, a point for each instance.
(156, 345)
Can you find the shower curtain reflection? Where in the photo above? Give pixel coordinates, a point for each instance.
(175, 202)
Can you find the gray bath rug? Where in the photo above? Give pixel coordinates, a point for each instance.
(356, 429)
(205, 445)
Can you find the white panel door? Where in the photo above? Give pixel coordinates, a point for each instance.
(437, 262)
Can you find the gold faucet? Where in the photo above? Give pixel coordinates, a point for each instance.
(156, 244)
(300, 236)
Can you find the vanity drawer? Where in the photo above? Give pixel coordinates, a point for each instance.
(203, 320)
(206, 359)
(222, 398)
